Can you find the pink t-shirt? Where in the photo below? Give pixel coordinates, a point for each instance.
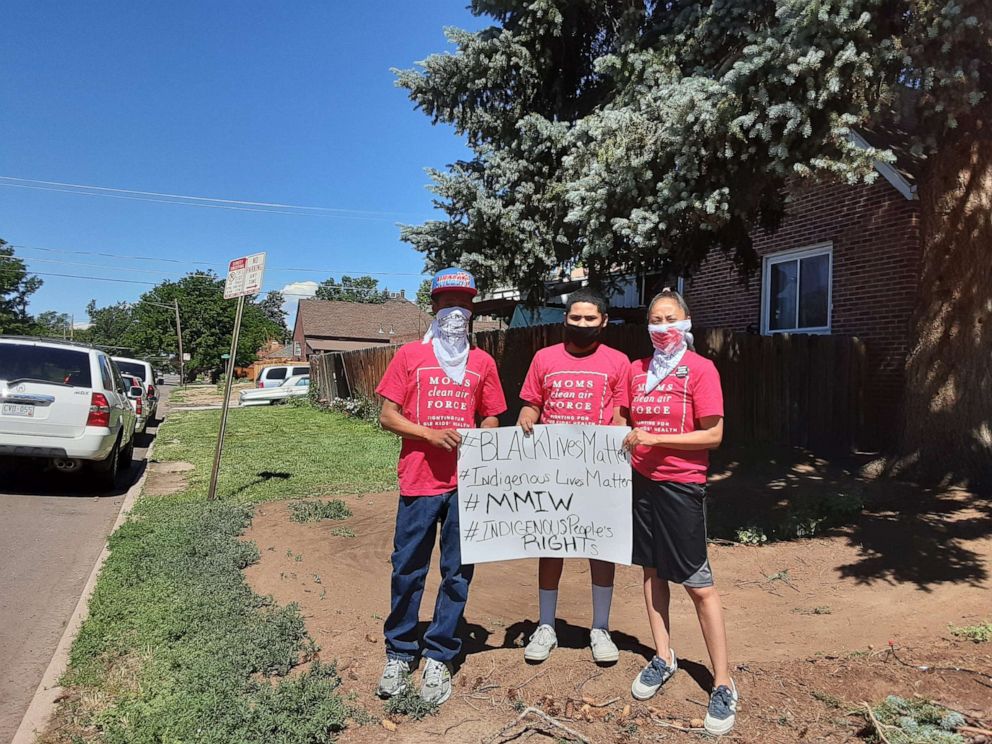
(690, 392)
(577, 389)
(415, 381)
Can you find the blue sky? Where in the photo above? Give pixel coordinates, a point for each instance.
(289, 103)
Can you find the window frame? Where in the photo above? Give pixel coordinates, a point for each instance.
(817, 249)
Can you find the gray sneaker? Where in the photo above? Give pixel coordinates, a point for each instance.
(436, 685)
(722, 710)
(653, 676)
(394, 677)
(542, 643)
(604, 650)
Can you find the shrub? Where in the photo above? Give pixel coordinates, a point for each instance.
(314, 511)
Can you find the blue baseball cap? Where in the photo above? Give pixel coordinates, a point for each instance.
(453, 279)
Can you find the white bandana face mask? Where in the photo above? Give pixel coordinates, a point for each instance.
(449, 335)
(670, 341)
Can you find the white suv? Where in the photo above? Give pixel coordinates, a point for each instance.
(277, 374)
(64, 403)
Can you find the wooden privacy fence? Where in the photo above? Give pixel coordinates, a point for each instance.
(802, 390)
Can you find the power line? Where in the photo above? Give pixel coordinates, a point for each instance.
(192, 200)
(348, 288)
(217, 264)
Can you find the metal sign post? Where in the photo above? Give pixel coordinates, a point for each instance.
(244, 278)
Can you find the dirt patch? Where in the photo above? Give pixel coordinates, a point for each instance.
(809, 626)
(205, 395)
(165, 478)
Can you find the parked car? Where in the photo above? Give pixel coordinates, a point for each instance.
(143, 371)
(138, 398)
(297, 386)
(65, 404)
(277, 374)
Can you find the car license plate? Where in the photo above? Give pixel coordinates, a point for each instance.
(16, 409)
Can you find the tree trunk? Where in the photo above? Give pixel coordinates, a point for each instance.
(946, 432)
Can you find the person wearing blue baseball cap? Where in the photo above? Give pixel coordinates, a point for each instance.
(431, 389)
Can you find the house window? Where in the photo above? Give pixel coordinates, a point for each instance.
(796, 289)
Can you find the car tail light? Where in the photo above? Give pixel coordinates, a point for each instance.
(137, 406)
(151, 391)
(260, 384)
(99, 411)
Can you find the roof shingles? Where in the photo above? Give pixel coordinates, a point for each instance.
(397, 321)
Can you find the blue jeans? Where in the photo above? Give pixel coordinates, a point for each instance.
(413, 542)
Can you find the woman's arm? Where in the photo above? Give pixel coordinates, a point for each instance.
(708, 436)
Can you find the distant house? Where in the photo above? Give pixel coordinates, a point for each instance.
(333, 325)
(845, 260)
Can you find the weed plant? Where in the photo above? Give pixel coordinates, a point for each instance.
(918, 721)
(315, 511)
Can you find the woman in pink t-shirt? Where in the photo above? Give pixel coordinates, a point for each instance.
(676, 411)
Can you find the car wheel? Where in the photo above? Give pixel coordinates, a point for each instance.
(127, 455)
(108, 469)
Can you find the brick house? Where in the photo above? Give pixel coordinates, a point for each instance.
(845, 260)
(333, 325)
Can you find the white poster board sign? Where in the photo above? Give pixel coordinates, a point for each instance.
(563, 491)
(244, 276)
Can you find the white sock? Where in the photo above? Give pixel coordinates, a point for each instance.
(548, 599)
(602, 598)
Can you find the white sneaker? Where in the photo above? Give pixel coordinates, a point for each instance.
(604, 650)
(542, 643)
(436, 685)
(650, 679)
(394, 678)
(722, 711)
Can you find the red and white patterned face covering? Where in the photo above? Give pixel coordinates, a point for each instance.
(670, 341)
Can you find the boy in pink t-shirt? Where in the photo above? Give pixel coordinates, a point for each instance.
(580, 381)
(432, 389)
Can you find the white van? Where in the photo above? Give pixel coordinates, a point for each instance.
(143, 371)
(277, 374)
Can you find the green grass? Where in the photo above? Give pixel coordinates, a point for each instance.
(177, 647)
(280, 452)
(980, 633)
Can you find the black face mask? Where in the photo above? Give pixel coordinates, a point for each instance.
(581, 336)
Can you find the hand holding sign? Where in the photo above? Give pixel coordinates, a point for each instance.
(562, 491)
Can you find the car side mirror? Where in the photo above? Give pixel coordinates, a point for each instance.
(134, 392)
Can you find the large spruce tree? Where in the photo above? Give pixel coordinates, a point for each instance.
(631, 135)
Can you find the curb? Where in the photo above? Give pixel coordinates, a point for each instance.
(42, 705)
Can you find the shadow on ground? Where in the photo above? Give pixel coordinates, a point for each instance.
(904, 532)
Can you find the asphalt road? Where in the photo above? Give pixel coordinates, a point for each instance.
(51, 532)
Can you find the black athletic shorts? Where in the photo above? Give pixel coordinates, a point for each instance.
(670, 530)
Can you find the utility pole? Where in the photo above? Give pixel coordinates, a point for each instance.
(179, 336)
